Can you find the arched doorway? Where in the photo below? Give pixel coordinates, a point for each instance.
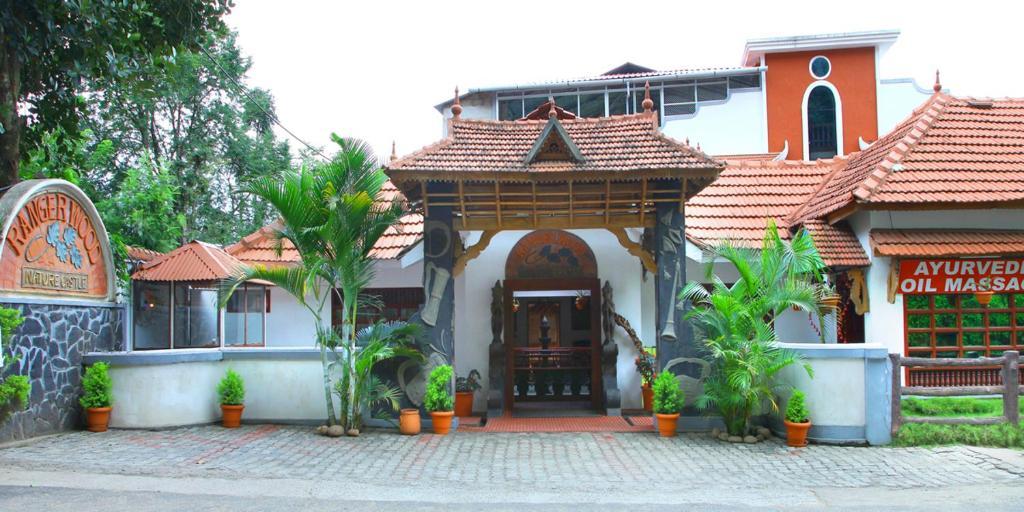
(552, 325)
(822, 123)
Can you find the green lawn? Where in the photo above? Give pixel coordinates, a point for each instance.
(916, 434)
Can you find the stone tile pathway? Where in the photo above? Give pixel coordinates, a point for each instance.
(553, 460)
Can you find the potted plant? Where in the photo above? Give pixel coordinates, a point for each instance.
(97, 397)
(645, 367)
(797, 420)
(438, 399)
(984, 293)
(668, 401)
(464, 389)
(232, 397)
(829, 299)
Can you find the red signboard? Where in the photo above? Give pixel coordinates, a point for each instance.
(966, 275)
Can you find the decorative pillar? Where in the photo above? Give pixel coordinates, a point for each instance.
(674, 335)
(496, 351)
(437, 314)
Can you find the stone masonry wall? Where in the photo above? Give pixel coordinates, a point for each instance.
(50, 345)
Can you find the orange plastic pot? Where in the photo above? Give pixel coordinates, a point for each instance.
(648, 395)
(232, 415)
(97, 419)
(464, 404)
(667, 424)
(796, 433)
(984, 298)
(442, 421)
(409, 422)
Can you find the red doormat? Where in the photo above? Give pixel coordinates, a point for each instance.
(507, 423)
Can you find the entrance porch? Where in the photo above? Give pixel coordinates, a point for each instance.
(555, 220)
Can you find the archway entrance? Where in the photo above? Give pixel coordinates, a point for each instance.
(552, 328)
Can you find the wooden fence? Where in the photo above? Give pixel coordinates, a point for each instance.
(1010, 388)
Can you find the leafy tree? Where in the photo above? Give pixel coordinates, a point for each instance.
(186, 113)
(331, 215)
(141, 212)
(49, 47)
(737, 323)
(14, 389)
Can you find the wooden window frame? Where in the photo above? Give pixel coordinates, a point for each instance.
(244, 288)
(1016, 331)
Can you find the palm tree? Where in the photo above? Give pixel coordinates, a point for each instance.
(332, 215)
(737, 322)
(378, 342)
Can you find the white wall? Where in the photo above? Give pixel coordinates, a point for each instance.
(155, 395)
(833, 377)
(477, 106)
(897, 98)
(734, 126)
(614, 264)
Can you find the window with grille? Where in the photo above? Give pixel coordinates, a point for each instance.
(958, 326)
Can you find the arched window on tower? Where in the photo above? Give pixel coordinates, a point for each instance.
(822, 139)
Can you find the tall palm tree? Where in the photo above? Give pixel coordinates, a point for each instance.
(737, 322)
(332, 214)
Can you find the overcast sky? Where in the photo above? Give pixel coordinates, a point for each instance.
(375, 69)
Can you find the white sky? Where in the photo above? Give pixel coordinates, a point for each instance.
(375, 69)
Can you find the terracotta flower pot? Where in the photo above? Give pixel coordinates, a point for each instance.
(409, 422)
(648, 395)
(442, 421)
(829, 304)
(796, 433)
(97, 419)
(464, 404)
(667, 424)
(984, 298)
(232, 415)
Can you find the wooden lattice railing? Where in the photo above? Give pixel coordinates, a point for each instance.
(1008, 385)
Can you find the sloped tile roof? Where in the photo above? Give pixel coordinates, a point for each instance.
(194, 261)
(933, 243)
(142, 254)
(837, 244)
(950, 150)
(260, 247)
(608, 144)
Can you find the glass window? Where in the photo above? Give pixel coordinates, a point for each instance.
(152, 319)
(195, 316)
(681, 109)
(638, 99)
(394, 304)
(745, 82)
(616, 103)
(244, 316)
(531, 104)
(509, 110)
(568, 102)
(820, 67)
(712, 91)
(822, 140)
(679, 94)
(957, 326)
(592, 105)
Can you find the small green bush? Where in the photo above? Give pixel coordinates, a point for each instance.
(439, 398)
(668, 396)
(96, 385)
(796, 409)
(231, 389)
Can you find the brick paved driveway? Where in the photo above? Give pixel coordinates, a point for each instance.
(603, 460)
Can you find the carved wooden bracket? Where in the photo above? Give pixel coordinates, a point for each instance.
(473, 252)
(858, 291)
(894, 280)
(636, 249)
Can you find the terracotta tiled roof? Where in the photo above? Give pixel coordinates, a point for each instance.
(930, 243)
(607, 144)
(738, 206)
(260, 246)
(194, 261)
(950, 150)
(142, 254)
(837, 244)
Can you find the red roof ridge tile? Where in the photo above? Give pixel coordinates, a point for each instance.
(887, 166)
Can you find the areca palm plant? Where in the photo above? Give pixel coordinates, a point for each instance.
(377, 342)
(736, 323)
(333, 215)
